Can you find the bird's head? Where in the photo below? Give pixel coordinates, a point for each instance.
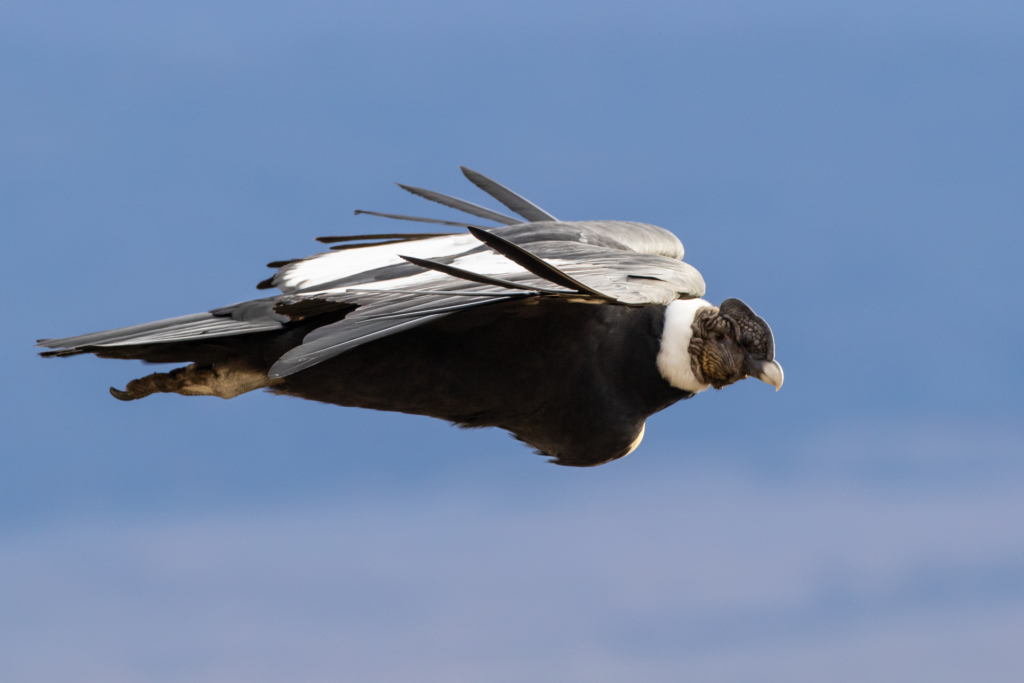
(729, 343)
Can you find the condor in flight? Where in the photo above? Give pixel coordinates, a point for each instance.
(567, 334)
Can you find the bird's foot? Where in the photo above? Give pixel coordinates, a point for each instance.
(223, 380)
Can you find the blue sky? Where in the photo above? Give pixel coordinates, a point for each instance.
(851, 170)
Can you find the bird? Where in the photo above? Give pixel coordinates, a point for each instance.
(569, 335)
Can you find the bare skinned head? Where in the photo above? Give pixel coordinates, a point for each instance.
(729, 343)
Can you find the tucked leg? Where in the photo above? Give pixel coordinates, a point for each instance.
(223, 380)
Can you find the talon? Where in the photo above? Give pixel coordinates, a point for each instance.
(121, 395)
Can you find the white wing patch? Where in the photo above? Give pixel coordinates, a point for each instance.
(483, 263)
(335, 265)
(328, 267)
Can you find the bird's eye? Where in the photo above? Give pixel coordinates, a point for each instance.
(719, 336)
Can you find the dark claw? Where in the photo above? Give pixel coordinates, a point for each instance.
(122, 395)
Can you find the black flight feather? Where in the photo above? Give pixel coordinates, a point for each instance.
(476, 277)
(536, 265)
(460, 205)
(418, 219)
(515, 202)
(409, 236)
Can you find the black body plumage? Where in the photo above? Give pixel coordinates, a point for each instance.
(567, 334)
(576, 382)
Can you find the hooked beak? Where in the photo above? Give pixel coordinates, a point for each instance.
(770, 373)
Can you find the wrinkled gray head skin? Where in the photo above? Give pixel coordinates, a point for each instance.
(731, 343)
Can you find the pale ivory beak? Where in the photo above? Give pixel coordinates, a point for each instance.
(771, 373)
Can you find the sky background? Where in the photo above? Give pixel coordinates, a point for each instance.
(852, 170)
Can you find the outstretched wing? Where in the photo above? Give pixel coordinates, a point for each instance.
(401, 280)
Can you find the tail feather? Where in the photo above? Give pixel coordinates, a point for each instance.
(183, 328)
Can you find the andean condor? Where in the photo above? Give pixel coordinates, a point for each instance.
(567, 334)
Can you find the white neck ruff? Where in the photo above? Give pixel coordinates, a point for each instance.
(674, 354)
